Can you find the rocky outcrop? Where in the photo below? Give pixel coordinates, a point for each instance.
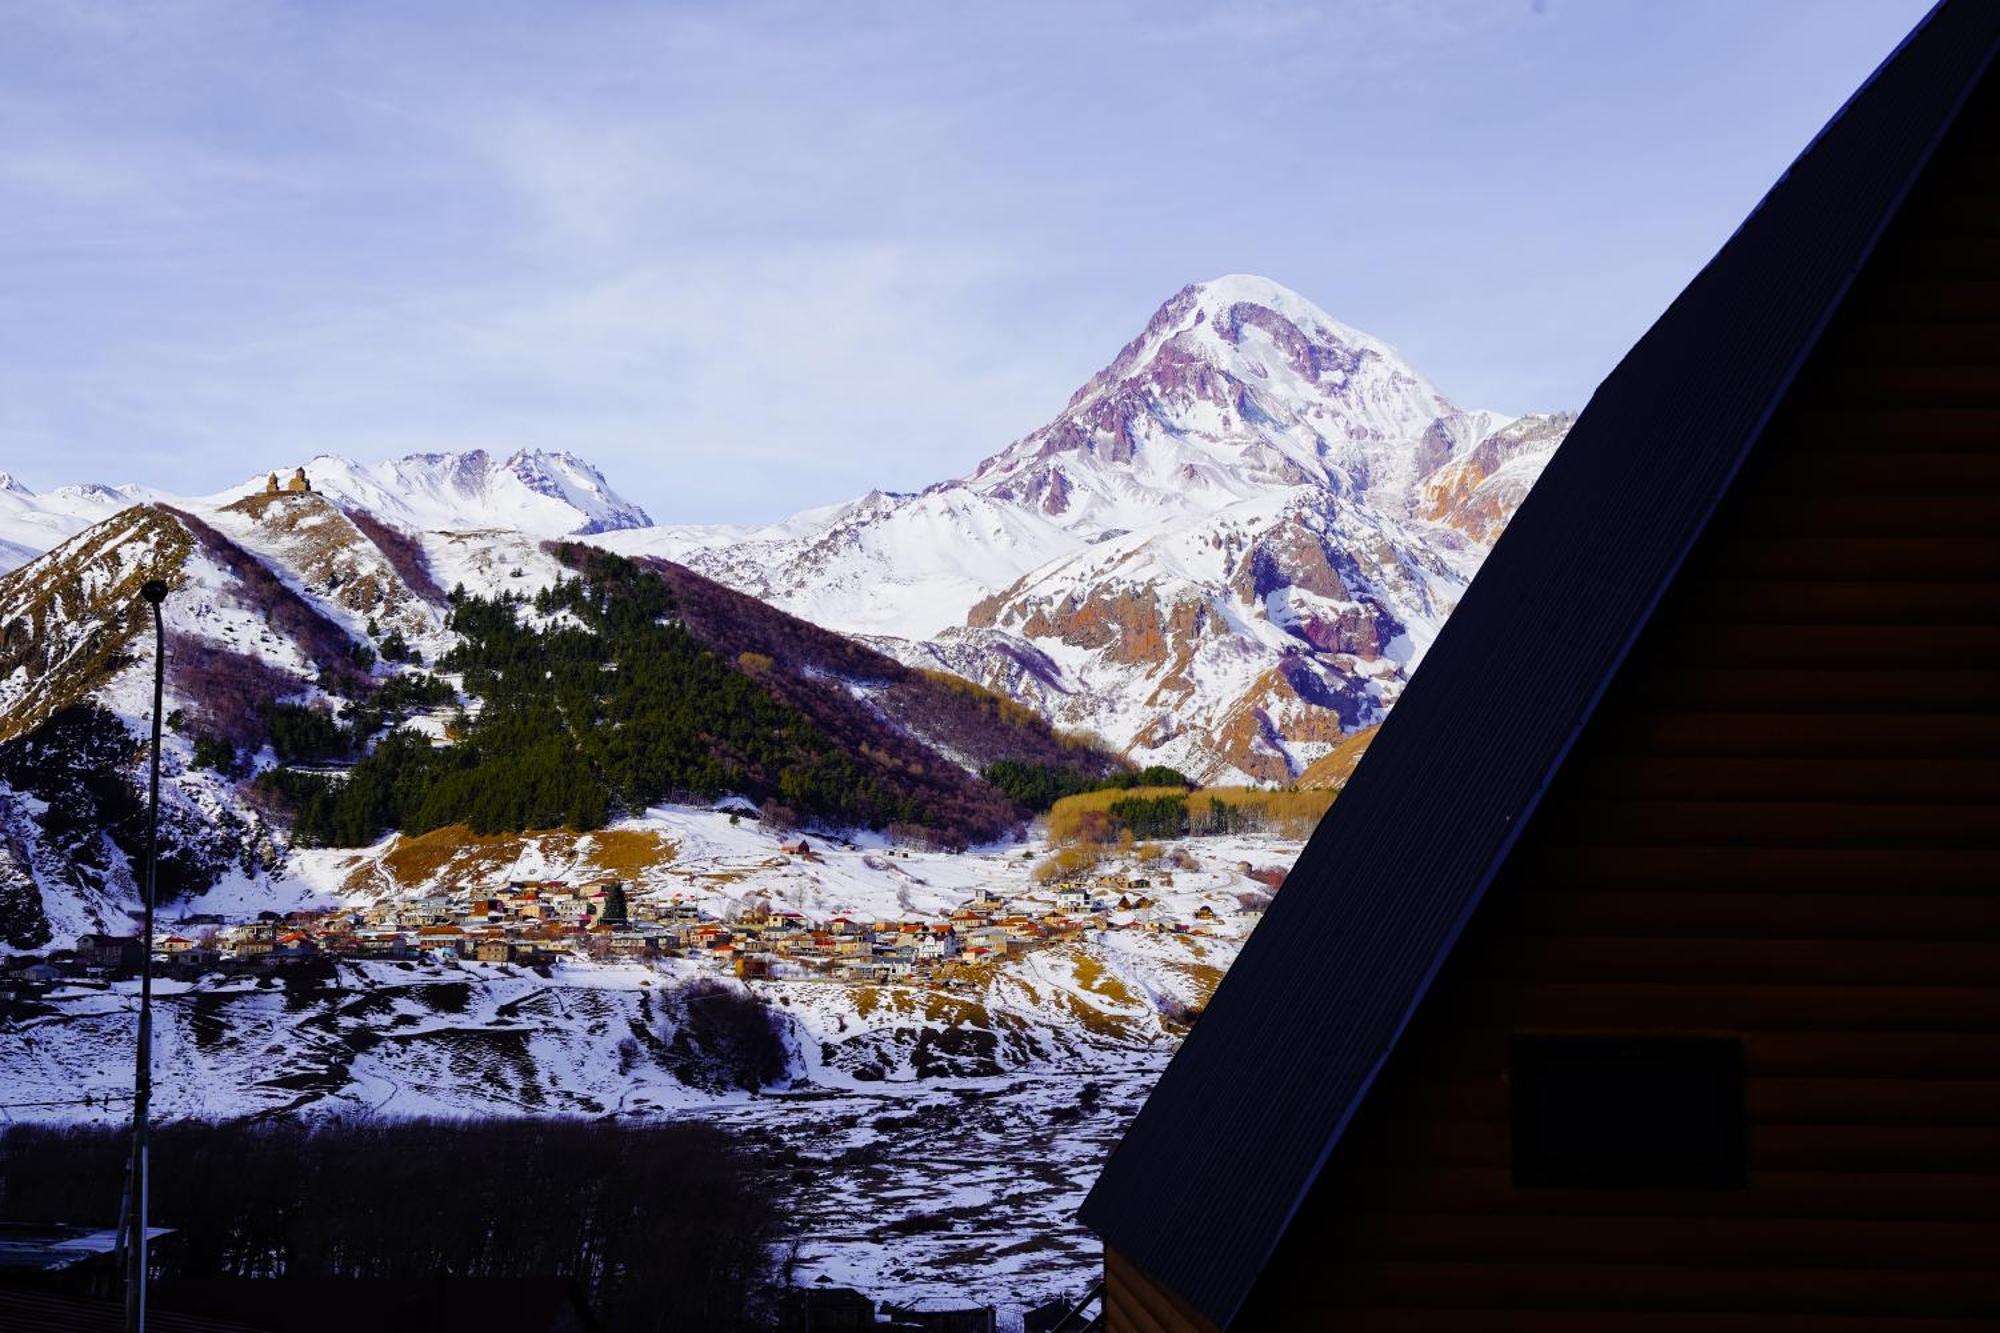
(1479, 492)
(23, 923)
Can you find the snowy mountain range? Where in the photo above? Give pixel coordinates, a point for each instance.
(1229, 549)
(31, 523)
(1226, 553)
(302, 633)
(542, 493)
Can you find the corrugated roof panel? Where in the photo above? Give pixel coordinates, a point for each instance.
(1202, 1186)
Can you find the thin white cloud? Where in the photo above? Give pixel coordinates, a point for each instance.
(752, 257)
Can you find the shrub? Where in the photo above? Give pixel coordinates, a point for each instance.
(1104, 817)
(1067, 863)
(395, 648)
(1151, 816)
(996, 705)
(216, 753)
(725, 1037)
(1038, 787)
(226, 691)
(405, 556)
(1089, 817)
(300, 733)
(323, 642)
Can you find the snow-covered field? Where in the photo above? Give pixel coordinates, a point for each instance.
(931, 1137)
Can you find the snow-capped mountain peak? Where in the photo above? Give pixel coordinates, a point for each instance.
(1232, 543)
(1221, 316)
(31, 522)
(1230, 546)
(544, 493)
(562, 476)
(1235, 385)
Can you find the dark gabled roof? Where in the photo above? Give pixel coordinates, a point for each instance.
(1207, 1178)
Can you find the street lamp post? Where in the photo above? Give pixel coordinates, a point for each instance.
(137, 1188)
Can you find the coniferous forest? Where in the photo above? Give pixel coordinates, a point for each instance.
(588, 699)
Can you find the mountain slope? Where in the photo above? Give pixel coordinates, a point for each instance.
(76, 653)
(578, 686)
(1229, 548)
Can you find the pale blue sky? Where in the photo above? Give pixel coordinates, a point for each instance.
(753, 257)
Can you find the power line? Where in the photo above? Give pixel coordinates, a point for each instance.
(71, 1101)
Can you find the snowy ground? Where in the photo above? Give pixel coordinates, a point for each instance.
(932, 1138)
(967, 1190)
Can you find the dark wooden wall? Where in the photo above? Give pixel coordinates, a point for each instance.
(1134, 1303)
(1783, 826)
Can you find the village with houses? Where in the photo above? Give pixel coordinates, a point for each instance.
(919, 992)
(546, 921)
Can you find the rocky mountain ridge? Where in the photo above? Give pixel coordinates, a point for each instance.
(1228, 550)
(543, 493)
(304, 632)
(1225, 554)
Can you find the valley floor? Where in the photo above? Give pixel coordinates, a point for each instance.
(933, 1134)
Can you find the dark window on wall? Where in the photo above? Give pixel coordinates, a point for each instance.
(1627, 1112)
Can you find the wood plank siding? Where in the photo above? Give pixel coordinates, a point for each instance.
(1134, 1303)
(1783, 825)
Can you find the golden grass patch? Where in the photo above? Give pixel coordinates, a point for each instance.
(1205, 977)
(1087, 820)
(1090, 975)
(455, 849)
(1336, 766)
(458, 855)
(1094, 1020)
(950, 1010)
(627, 853)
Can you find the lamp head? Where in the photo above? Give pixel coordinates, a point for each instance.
(154, 591)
